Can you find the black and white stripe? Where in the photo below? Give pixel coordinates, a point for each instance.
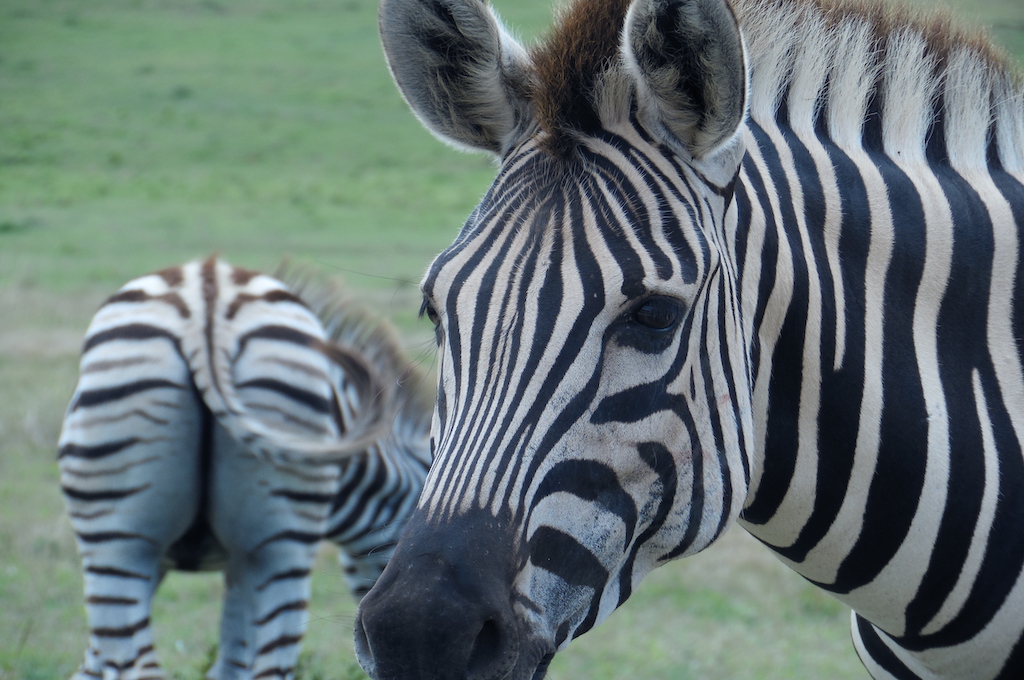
(756, 263)
(214, 425)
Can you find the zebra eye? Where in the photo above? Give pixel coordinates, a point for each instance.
(427, 309)
(659, 313)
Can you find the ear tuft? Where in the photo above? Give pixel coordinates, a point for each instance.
(688, 61)
(459, 70)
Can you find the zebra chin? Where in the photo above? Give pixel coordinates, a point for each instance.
(446, 607)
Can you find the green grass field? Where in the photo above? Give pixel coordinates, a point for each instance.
(135, 134)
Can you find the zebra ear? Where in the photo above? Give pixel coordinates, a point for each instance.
(458, 69)
(688, 61)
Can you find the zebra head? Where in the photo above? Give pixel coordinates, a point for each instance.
(593, 413)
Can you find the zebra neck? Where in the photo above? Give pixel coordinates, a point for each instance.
(877, 274)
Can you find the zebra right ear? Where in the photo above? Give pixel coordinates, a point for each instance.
(688, 62)
(459, 70)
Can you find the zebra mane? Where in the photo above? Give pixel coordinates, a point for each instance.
(568, 64)
(886, 77)
(374, 341)
(868, 73)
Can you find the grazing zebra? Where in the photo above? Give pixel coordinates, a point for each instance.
(217, 426)
(755, 263)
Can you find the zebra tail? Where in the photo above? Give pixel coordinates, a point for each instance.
(361, 401)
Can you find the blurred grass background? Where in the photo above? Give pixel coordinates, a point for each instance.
(135, 134)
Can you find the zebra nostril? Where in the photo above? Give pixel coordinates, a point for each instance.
(490, 654)
(362, 648)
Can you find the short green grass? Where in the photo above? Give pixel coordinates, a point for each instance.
(134, 134)
(139, 133)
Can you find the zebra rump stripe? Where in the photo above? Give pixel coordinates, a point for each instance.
(158, 474)
(752, 262)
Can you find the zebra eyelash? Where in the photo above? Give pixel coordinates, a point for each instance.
(428, 310)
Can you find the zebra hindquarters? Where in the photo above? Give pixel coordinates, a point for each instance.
(269, 519)
(130, 464)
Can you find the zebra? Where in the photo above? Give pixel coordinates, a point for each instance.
(218, 425)
(752, 263)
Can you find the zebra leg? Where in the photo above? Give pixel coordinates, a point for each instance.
(234, 653)
(129, 477)
(269, 519)
(118, 607)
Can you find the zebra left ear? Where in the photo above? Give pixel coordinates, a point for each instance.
(688, 61)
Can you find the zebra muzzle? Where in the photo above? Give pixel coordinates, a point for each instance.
(441, 610)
